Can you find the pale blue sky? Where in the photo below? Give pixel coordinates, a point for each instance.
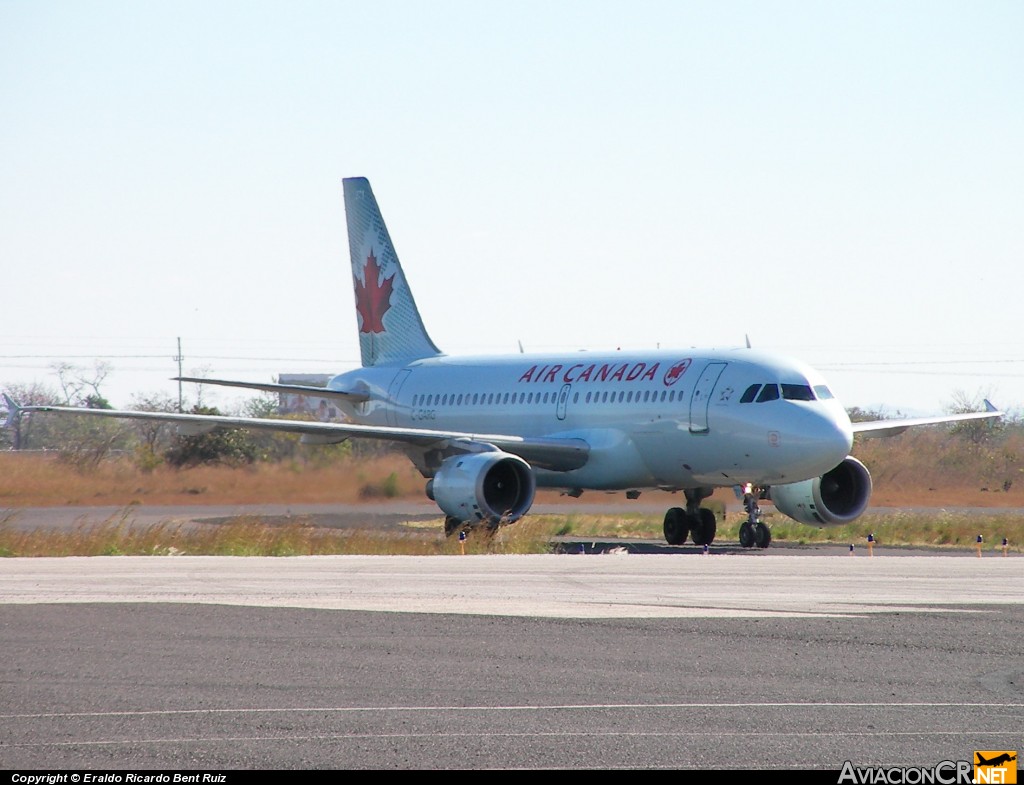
(843, 182)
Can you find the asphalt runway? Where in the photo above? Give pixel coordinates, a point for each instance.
(605, 660)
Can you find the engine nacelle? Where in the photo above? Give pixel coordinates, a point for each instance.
(495, 487)
(838, 497)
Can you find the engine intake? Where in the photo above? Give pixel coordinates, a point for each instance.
(495, 487)
(838, 497)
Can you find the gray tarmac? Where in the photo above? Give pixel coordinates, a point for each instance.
(605, 659)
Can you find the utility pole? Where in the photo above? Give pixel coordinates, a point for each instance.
(179, 359)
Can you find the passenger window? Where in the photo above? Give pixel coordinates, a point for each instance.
(769, 393)
(750, 393)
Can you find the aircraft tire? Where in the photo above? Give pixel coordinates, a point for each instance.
(762, 535)
(675, 527)
(704, 527)
(747, 534)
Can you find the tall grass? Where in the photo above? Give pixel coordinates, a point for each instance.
(252, 536)
(245, 536)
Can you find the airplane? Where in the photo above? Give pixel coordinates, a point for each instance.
(486, 432)
(996, 761)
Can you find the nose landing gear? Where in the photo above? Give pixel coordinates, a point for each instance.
(753, 531)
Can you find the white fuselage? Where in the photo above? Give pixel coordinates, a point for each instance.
(652, 420)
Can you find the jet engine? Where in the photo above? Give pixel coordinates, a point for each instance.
(494, 487)
(838, 497)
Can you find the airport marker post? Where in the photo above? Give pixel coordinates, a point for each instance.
(979, 541)
(462, 542)
(1006, 545)
(871, 545)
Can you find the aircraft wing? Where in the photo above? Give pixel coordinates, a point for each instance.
(556, 454)
(295, 389)
(894, 427)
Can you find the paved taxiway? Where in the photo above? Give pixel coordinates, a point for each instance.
(564, 661)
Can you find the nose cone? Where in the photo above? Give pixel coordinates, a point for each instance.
(818, 440)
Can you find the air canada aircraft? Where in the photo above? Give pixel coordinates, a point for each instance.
(486, 432)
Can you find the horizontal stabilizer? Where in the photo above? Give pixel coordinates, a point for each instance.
(288, 389)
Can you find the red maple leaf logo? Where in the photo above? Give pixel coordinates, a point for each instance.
(673, 374)
(373, 299)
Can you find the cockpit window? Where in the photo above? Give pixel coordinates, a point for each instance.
(797, 392)
(823, 392)
(769, 393)
(748, 396)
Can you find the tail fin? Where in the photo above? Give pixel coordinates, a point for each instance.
(390, 327)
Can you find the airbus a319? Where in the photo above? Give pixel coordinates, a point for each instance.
(486, 432)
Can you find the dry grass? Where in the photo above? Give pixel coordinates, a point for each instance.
(924, 469)
(33, 480)
(246, 536)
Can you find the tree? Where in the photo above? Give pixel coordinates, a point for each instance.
(30, 431)
(231, 446)
(976, 431)
(154, 436)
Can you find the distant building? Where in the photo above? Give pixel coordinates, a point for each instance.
(295, 403)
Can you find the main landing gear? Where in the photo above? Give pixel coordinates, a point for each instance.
(698, 523)
(695, 521)
(753, 531)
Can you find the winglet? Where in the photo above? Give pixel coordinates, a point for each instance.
(989, 407)
(13, 412)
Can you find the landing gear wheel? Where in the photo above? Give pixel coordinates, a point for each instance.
(762, 535)
(747, 534)
(451, 525)
(676, 527)
(704, 527)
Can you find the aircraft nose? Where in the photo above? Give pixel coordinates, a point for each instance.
(821, 441)
(835, 434)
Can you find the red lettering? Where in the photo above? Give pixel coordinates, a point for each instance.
(635, 371)
(585, 376)
(567, 378)
(528, 376)
(602, 375)
(550, 375)
(649, 376)
(617, 376)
